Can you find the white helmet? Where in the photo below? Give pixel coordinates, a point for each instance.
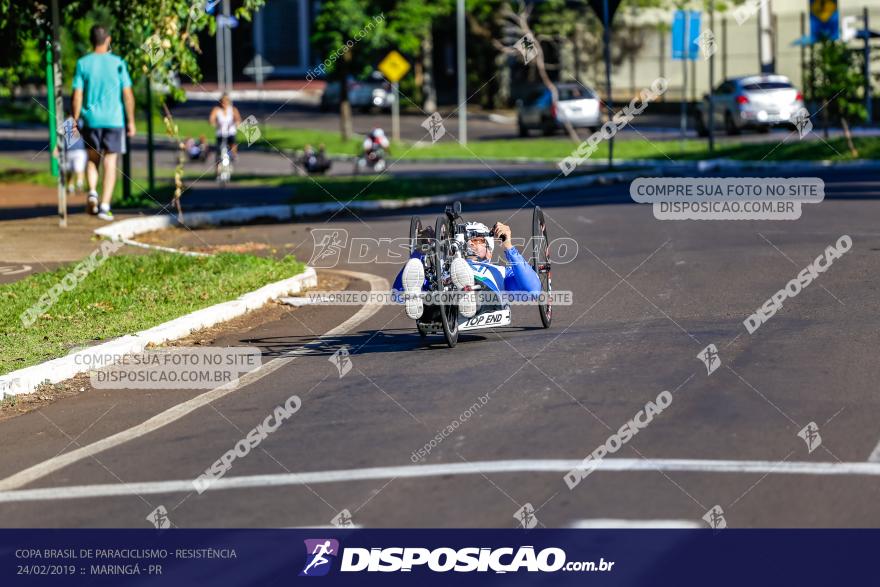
(475, 229)
(378, 133)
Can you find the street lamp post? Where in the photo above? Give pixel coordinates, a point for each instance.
(462, 74)
(711, 81)
(606, 41)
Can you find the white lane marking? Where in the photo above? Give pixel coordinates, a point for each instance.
(419, 471)
(874, 457)
(180, 410)
(608, 523)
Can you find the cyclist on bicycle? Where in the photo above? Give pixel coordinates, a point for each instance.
(475, 266)
(225, 118)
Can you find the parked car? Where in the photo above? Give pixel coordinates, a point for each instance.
(578, 104)
(757, 101)
(366, 94)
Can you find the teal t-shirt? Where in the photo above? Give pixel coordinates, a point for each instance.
(101, 77)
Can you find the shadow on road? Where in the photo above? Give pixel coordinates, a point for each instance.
(366, 342)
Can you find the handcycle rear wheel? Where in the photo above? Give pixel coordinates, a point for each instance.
(541, 263)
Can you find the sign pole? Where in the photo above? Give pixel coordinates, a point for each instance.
(151, 164)
(462, 74)
(395, 113)
(712, 82)
(394, 66)
(684, 75)
(869, 106)
(56, 115)
(606, 41)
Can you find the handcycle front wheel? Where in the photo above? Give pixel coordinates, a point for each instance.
(448, 312)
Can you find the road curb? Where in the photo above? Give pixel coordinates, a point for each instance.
(28, 379)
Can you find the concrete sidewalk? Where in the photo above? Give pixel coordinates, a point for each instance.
(37, 243)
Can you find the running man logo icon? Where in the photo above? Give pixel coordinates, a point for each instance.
(715, 518)
(343, 519)
(810, 434)
(710, 358)
(706, 43)
(526, 516)
(70, 132)
(801, 120)
(342, 360)
(159, 518)
(250, 128)
(154, 48)
(527, 48)
(320, 553)
(434, 125)
(328, 246)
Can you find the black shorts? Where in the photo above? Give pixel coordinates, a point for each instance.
(230, 141)
(104, 140)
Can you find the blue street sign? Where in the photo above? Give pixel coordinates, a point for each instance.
(693, 32)
(824, 20)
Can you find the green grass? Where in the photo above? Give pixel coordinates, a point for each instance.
(555, 148)
(13, 170)
(126, 294)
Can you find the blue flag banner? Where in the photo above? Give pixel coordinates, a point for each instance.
(824, 20)
(678, 34)
(338, 556)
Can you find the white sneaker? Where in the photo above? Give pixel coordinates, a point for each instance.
(413, 278)
(92, 203)
(463, 278)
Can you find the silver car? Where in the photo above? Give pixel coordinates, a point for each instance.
(367, 94)
(578, 104)
(757, 101)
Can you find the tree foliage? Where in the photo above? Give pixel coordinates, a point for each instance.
(159, 37)
(838, 79)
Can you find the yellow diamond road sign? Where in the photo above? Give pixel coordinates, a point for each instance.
(394, 67)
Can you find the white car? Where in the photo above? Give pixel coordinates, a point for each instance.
(757, 101)
(577, 104)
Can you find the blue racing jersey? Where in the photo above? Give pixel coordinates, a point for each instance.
(517, 276)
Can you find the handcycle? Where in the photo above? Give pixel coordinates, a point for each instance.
(447, 242)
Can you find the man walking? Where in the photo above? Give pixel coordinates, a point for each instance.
(100, 86)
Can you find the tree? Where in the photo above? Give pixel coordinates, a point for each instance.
(410, 25)
(346, 31)
(838, 78)
(155, 37)
(528, 44)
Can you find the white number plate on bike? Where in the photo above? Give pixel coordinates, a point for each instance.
(486, 320)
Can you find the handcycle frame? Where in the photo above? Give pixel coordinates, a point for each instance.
(443, 317)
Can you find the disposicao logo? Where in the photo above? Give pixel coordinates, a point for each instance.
(320, 553)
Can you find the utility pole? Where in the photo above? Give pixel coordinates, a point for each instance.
(57, 136)
(724, 47)
(662, 35)
(462, 74)
(765, 39)
(869, 106)
(803, 48)
(606, 42)
(151, 167)
(711, 82)
(224, 49)
(684, 75)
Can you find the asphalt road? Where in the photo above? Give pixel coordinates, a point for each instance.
(648, 296)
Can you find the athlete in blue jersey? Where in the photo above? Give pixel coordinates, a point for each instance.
(475, 267)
